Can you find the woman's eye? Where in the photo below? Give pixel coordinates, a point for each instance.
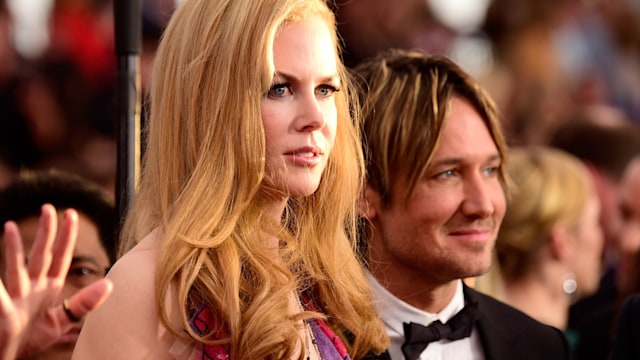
(326, 90)
(279, 90)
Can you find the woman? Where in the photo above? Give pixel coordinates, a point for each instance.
(246, 202)
(550, 241)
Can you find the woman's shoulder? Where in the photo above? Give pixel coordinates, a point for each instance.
(136, 270)
(131, 309)
(140, 261)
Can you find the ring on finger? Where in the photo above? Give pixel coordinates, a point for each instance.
(67, 310)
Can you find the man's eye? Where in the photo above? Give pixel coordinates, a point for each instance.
(82, 271)
(491, 170)
(80, 276)
(446, 174)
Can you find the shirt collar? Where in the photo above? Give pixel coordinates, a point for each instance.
(394, 311)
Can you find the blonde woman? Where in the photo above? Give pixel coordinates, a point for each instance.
(244, 221)
(550, 241)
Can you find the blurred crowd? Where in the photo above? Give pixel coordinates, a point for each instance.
(58, 105)
(545, 62)
(557, 69)
(542, 60)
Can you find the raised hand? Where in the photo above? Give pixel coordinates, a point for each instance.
(31, 315)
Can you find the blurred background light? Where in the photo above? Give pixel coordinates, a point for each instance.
(463, 16)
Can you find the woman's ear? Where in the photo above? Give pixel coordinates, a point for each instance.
(368, 203)
(561, 241)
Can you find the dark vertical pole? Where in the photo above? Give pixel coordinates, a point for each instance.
(128, 38)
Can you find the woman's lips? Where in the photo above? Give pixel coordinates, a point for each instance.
(305, 156)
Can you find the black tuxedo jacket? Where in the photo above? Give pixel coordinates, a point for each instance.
(509, 334)
(627, 339)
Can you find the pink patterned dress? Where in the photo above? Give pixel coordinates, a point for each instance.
(329, 344)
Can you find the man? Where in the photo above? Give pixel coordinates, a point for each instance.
(629, 241)
(22, 202)
(434, 201)
(30, 318)
(623, 343)
(607, 143)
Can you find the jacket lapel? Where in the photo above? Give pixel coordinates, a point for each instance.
(496, 334)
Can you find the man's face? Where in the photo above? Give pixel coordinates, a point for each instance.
(611, 215)
(447, 228)
(630, 204)
(89, 264)
(629, 239)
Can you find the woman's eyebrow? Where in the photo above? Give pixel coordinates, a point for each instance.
(333, 78)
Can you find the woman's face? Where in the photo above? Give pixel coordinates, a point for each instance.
(589, 243)
(299, 112)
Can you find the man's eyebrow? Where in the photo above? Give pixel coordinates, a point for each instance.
(85, 258)
(458, 160)
(446, 161)
(494, 157)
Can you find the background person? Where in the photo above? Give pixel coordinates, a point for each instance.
(550, 240)
(606, 142)
(31, 314)
(21, 202)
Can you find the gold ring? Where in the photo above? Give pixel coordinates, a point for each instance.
(67, 310)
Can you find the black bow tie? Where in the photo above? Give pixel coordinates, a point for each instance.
(418, 336)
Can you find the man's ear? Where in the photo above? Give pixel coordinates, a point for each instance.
(368, 203)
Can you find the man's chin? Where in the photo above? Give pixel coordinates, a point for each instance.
(58, 351)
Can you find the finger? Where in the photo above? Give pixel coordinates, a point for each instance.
(16, 275)
(84, 301)
(64, 245)
(6, 305)
(40, 255)
(11, 328)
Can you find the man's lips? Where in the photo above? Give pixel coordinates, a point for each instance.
(70, 336)
(472, 234)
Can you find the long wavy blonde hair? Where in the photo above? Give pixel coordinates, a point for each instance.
(203, 185)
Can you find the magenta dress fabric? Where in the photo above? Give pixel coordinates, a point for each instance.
(329, 344)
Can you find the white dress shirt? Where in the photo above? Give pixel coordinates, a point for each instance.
(394, 312)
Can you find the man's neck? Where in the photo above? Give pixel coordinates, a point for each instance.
(425, 295)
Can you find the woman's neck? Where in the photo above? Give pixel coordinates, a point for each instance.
(275, 211)
(544, 302)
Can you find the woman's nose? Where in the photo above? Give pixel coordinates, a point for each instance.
(310, 114)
